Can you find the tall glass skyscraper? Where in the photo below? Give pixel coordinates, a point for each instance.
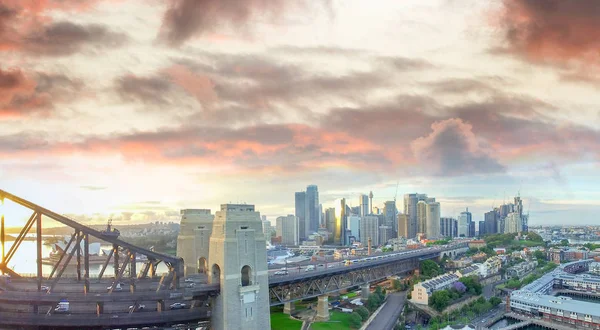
(313, 212)
(301, 213)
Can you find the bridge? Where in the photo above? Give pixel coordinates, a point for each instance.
(98, 301)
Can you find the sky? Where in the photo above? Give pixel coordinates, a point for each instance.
(136, 109)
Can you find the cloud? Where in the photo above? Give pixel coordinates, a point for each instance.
(24, 94)
(555, 30)
(67, 38)
(93, 188)
(154, 89)
(453, 150)
(185, 19)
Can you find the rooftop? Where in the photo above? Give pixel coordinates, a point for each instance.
(563, 303)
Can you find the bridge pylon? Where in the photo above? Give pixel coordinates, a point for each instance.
(238, 262)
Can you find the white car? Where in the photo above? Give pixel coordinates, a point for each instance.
(177, 306)
(281, 272)
(139, 307)
(188, 280)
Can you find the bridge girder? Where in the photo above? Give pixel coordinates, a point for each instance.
(330, 283)
(82, 234)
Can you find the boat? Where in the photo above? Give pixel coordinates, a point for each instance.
(109, 231)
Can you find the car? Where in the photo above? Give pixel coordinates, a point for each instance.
(45, 288)
(140, 307)
(281, 272)
(117, 287)
(188, 280)
(177, 306)
(191, 285)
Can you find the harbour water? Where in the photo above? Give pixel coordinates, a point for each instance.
(505, 322)
(24, 261)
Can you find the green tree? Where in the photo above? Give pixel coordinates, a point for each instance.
(534, 237)
(373, 302)
(564, 242)
(355, 320)
(439, 300)
(396, 285)
(430, 269)
(472, 284)
(495, 301)
(363, 312)
(539, 255)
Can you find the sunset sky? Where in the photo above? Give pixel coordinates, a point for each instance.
(138, 108)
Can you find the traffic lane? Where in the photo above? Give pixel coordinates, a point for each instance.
(388, 315)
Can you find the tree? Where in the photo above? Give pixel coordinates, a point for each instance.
(396, 285)
(539, 255)
(430, 269)
(355, 320)
(534, 237)
(459, 287)
(472, 284)
(363, 312)
(439, 300)
(564, 242)
(495, 301)
(373, 302)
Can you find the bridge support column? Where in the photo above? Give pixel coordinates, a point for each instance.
(289, 307)
(323, 308)
(160, 306)
(365, 291)
(35, 309)
(99, 308)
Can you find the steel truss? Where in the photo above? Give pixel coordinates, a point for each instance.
(81, 253)
(328, 283)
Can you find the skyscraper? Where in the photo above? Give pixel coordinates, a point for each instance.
(402, 225)
(389, 212)
(330, 220)
(448, 227)
(513, 223)
(433, 220)
(421, 217)
(363, 201)
(300, 212)
(410, 209)
(354, 225)
(312, 210)
(463, 225)
(369, 227)
(287, 229)
(491, 222)
(339, 231)
(481, 229)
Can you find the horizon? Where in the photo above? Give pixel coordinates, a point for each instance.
(141, 108)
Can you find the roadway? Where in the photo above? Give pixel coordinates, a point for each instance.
(388, 315)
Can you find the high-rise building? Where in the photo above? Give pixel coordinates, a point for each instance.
(288, 229)
(422, 217)
(313, 212)
(330, 220)
(491, 222)
(363, 201)
(370, 202)
(481, 228)
(301, 213)
(463, 225)
(354, 225)
(369, 228)
(266, 225)
(432, 229)
(389, 212)
(402, 225)
(385, 234)
(355, 210)
(448, 227)
(513, 223)
(410, 209)
(470, 222)
(339, 231)
(321, 217)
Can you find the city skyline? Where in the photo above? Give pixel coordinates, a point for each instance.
(105, 114)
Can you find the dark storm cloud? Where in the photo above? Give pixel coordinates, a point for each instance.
(154, 89)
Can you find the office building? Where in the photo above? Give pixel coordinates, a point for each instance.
(385, 234)
(369, 227)
(448, 227)
(354, 225)
(433, 220)
(339, 231)
(288, 229)
(313, 213)
(403, 225)
(512, 223)
(421, 217)
(410, 209)
(491, 222)
(266, 225)
(481, 229)
(390, 212)
(463, 224)
(300, 213)
(363, 201)
(330, 220)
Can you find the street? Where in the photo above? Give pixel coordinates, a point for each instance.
(386, 319)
